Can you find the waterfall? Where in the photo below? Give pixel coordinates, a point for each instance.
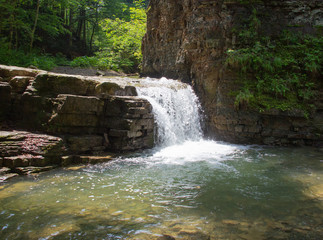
(176, 109)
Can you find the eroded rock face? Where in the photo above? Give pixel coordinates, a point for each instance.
(90, 114)
(188, 40)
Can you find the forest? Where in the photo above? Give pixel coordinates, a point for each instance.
(105, 34)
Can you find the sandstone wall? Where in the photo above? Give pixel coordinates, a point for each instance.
(188, 40)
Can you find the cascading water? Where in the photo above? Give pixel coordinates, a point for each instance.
(176, 109)
(179, 137)
(186, 188)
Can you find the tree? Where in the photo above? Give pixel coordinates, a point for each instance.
(35, 25)
(121, 47)
(110, 28)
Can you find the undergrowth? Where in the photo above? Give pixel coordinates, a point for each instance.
(279, 72)
(21, 58)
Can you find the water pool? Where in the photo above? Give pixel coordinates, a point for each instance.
(195, 190)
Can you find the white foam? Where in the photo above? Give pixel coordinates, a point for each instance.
(176, 109)
(194, 151)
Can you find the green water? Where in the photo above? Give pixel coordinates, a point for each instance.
(204, 190)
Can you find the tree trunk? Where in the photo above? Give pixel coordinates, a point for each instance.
(92, 36)
(11, 35)
(16, 38)
(84, 30)
(71, 27)
(94, 26)
(34, 28)
(12, 24)
(81, 21)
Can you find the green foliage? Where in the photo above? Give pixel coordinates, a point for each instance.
(122, 46)
(279, 72)
(84, 61)
(21, 58)
(119, 43)
(75, 28)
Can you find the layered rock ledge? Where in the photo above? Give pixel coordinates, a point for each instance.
(68, 115)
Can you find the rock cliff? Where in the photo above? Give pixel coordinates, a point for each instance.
(189, 39)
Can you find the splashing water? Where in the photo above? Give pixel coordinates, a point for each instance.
(179, 135)
(176, 109)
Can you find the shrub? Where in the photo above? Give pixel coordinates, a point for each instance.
(279, 72)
